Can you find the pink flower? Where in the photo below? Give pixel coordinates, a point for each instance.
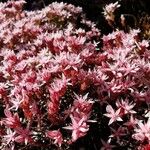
(68, 60)
(82, 104)
(24, 135)
(55, 135)
(79, 127)
(142, 132)
(11, 121)
(125, 106)
(119, 86)
(114, 116)
(16, 102)
(45, 75)
(10, 136)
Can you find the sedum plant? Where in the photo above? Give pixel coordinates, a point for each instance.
(42, 54)
(58, 85)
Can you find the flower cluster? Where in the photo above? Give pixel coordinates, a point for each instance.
(42, 54)
(56, 81)
(127, 68)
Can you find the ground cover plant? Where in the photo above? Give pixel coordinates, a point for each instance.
(64, 85)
